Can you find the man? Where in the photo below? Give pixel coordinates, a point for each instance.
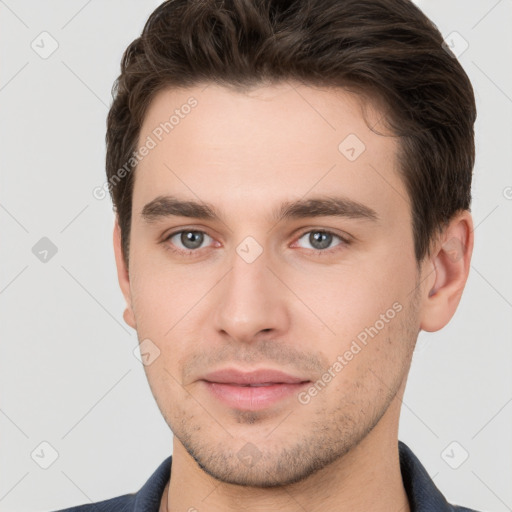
(292, 184)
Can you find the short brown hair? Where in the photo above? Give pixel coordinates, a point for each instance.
(385, 49)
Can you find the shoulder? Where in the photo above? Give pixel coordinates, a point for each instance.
(124, 503)
(146, 499)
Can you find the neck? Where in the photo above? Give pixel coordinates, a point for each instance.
(368, 477)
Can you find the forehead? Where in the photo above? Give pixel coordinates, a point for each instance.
(271, 142)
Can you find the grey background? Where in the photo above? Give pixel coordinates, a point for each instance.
(68, 374)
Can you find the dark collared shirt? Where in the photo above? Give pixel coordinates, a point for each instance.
(423, 495)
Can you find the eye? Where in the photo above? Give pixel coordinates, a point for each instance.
(320, 240)
(190, 239)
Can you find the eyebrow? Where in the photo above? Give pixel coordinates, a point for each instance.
(325, 206)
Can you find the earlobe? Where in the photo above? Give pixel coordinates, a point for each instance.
(129, 317)
(449, 269)
(123, 275)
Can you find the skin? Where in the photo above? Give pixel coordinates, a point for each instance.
(295, 308)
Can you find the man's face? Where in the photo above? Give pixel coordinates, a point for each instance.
(329, 298)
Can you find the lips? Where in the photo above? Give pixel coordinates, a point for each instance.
(255, 390)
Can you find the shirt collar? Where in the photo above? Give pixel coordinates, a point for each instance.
(149, 496)
(423, 494)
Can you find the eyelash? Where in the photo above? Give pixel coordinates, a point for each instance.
(317, 252)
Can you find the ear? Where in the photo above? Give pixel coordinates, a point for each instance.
(123, 276)
(447, 270)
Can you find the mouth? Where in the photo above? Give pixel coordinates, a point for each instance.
(251, 385)
(254, 390)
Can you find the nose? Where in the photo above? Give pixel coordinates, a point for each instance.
(252, 301)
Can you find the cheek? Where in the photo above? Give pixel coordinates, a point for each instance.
(346, 300)
(366, 316)
(164, 294)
